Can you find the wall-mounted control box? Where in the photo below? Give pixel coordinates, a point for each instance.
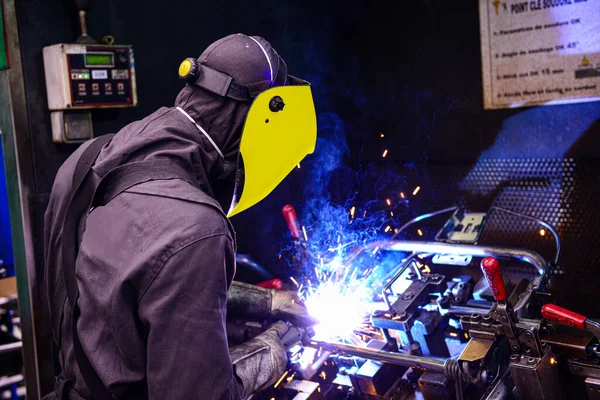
(82, 76)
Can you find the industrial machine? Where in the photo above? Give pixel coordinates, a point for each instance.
(452, 320)
(86, 75)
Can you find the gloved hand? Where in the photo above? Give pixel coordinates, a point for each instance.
(287, 305)
(259, 362)
(250, 301)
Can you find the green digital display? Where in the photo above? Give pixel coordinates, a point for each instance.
(96, 59)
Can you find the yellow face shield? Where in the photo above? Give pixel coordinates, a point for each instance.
(280, 130)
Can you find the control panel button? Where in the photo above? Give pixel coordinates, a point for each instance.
(120, 86)
(95, 87)
(99, 74)
(81, 87)
(120, 74)
(108, 88)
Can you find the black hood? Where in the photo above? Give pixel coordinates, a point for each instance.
(168, 133)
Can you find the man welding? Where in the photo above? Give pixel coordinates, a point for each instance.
(139, 253)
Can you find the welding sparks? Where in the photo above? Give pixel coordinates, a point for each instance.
(389, 202)
(281, 379)
(385, 153)
(420, 232)
(382, 135)
(304, 232)
(298, 165)
(293, 280)
(402, 195)
(542, 232)
(352, 210)
(323, 375)
(416, 190)
(388, 228)
(339, 312)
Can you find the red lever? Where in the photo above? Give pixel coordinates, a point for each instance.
(272, 284)
(561, 315)
(289, 213)
(493, 275)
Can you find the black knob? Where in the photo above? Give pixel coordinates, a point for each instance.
(83, 5)
(276, 104)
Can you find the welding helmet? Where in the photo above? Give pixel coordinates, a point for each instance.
(280, 127)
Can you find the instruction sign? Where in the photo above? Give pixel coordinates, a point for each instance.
(539, 52)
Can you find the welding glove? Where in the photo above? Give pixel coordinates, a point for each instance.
(259, 362)
(250, 301)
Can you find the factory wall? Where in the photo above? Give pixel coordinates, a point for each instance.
(408, 70)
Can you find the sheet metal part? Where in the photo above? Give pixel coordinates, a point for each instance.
(536, 378)
(476, 350)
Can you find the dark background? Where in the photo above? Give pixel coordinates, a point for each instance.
(409, 70)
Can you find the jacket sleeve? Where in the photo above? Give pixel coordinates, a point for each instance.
(184, 310)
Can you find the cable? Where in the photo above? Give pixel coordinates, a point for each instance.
(422, 217)
(539, 221)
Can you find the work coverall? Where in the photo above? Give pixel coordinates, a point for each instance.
(156, 262)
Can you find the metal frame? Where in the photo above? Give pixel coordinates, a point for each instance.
(20, 179)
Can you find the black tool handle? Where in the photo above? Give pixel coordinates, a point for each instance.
(292, 337)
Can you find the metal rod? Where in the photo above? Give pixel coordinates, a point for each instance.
(402, 359)
(8, 348)
(528, 256)
(11, 380)
(466, 310)
(422, 217)
(539, 221)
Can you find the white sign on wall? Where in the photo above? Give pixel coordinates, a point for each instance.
(539, 52)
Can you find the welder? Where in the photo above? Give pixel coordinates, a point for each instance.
(140, 254)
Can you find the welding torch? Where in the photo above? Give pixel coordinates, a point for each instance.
(296, 335)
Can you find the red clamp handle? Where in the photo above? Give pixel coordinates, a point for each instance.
(493, 275)
(289, 213)
(272, 284)
(563, 316)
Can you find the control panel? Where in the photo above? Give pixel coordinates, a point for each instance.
(85, 76)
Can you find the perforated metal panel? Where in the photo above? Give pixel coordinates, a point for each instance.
(562, 192)
(534, 187)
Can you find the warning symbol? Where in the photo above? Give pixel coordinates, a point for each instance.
(496, 4)
(585, 62)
